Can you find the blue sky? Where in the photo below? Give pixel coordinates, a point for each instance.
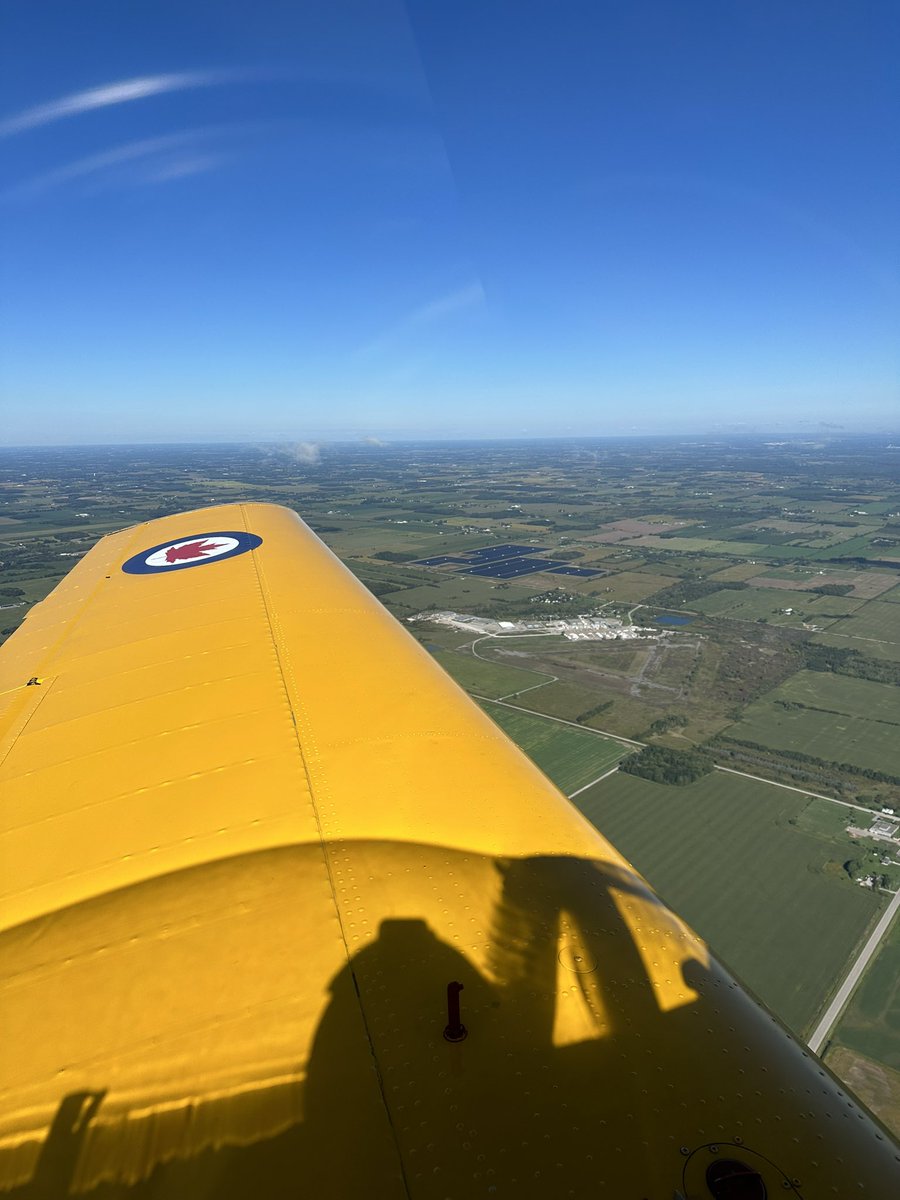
(447, 218)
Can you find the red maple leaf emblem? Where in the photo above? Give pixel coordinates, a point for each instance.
(191, 550)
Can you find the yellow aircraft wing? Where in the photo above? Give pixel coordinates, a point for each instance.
(253, 839)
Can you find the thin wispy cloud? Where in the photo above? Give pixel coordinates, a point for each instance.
(180, 166)
(470, 296)
(111, 94)
(107, 161)
(460, 300)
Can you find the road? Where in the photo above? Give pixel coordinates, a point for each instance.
(599, 779)
(827, 1023)
(548, 678)
(616, 737)
(789, 787)
(825, 1026)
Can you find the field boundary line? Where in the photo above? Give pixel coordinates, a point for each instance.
(599, 779)
(803, 791)
(531, 670)
(616, 737)
(532, 687)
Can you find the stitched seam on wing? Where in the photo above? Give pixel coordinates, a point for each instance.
(321, 788)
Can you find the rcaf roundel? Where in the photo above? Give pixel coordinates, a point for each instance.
(191, 552)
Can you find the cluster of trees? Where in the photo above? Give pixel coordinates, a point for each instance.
(822, 763)
(664, 724)
(397, 556)
(849, 662)
(662, 765)
(832, 589)
(688, 590)
(867, 866)
(584, 717)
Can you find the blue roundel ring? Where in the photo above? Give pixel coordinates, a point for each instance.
(193, 551)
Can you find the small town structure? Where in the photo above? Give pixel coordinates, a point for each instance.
(576, 629)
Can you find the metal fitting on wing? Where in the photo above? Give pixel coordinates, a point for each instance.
(455, 1031)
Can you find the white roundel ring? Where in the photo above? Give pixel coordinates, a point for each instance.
(193, 551)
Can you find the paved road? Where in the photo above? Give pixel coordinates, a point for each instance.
(803, 791)
(496, 636)
(825, 1026)
(599, 779)
(828, 1021)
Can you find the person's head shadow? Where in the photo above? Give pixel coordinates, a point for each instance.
(561, 936)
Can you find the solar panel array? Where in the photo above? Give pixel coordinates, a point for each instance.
(508, 561)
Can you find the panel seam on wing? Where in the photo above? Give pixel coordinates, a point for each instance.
(68, 628)
(293, 696)
(97, 868)
(250, 712)
(118, 797)
(11, 733)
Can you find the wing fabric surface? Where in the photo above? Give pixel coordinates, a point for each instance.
(251, 831)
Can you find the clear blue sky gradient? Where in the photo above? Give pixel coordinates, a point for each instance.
(309, 221)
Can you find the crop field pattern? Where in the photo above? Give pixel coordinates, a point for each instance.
(871, 1024)
(727, 532)
(722, 853)
(486, 678)
(871, 628)
(570, 757)
(754, 604)
(824, 715)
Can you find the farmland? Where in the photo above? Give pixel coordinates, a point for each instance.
(875, 630)
(724, 854)
(570, 757)
(840, 694)
(871, 1022)
(728, 532)
(877, 1085)
(828, 716)
(763, 604)
(838, 637)
(486, 678)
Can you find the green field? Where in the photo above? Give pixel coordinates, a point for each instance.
(757, 550)
(837, 718)
(830, 821)
(627, 585)
(759, 603)
(829, 606)
(831, 737)
(485, 678)
(871, 1021)
(738, 573)
(562, 700)
(874, 630)
(890, 651)
(459, 593)
(570, 757)
(723, 853)
(770, 603)
(842, 694)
